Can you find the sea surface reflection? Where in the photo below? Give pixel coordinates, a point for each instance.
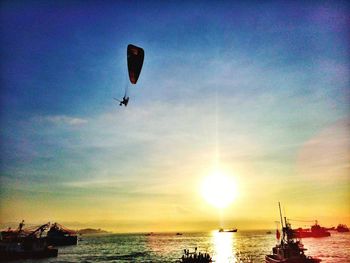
(243, 246)
(224, 247)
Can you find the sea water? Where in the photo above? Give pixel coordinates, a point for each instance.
(243, 246)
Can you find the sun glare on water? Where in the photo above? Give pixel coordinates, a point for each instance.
(219, 189)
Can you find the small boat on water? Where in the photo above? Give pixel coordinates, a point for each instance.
(58, 235)
(194, 257)
(342, 228)
(25, 244)
(221, 230)
(315, 231)
(288, 250)
(179, 234)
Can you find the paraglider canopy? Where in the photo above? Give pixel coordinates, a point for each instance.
(135, 62)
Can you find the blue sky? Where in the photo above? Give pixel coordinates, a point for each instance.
(257, 81)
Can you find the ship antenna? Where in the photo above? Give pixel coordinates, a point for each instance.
(279, 205)
(283, 229)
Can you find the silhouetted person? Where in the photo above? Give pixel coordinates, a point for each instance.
(124, 101)
(21, 225)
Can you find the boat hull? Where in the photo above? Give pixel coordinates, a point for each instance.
(275, 259)
(62, 241)
(306, 234)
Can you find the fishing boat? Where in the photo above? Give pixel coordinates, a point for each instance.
(342, 228)
(25, 244)
(221, 230)
(315, 231)
(59, 235)
(194, 257)
(289, 250)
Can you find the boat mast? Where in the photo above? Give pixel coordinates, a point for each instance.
(279, 206)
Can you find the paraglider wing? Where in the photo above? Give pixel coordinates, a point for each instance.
(135, 62)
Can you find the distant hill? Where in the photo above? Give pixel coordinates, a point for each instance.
(86, 231)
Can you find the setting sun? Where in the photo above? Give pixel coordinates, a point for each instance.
(219, 189)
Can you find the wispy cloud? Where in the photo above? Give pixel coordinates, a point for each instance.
(61, 120)
(327, 154)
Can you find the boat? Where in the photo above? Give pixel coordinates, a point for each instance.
(315, 231)
(25, 244)
(59, 235)
(342, 228)
(194, 257)
(36, 248)
(179, 234)
(221, 230)
(289, 250)
(268, 232)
